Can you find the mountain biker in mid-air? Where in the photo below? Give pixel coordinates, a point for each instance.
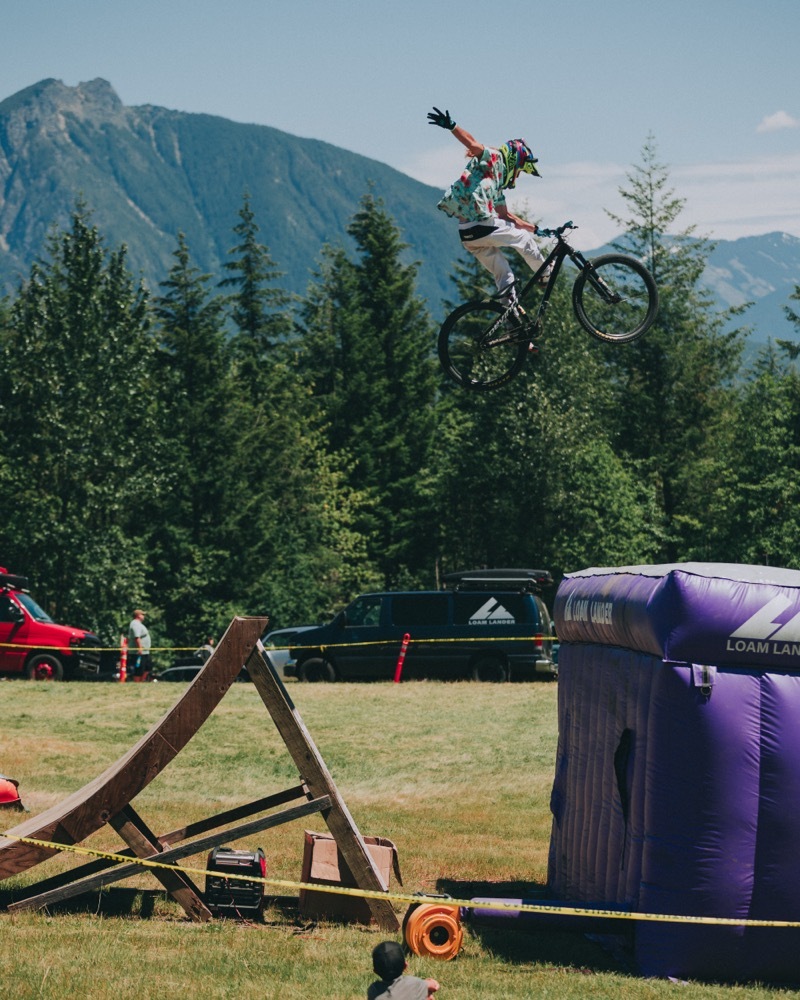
(478, 201)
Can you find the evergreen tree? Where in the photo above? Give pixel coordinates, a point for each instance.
(791, 314)
(80, 430)
(258, 309)
(753, 506)
(369, 350)
(191, 563)
(673, 385)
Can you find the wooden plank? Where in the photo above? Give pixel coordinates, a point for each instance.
(172, 854)
(92, 806)
(316, 775)
(173, 837)
(144, 843)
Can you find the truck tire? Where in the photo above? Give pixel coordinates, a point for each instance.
(44, 667)
(489, 668)
(315, 668)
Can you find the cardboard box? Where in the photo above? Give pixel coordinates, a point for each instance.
(323, 864)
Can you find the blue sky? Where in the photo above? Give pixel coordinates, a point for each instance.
(715, 82)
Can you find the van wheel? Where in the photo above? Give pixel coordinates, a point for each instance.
(489, 668)
(44, 667)
(316, 669)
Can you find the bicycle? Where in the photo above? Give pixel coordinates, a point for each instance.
(482, 345)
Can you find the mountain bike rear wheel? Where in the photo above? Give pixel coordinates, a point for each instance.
(615, 299)
(477, 352)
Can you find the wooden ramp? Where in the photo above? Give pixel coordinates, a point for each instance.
(108, 799)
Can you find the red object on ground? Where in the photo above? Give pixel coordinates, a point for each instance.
(398, 670)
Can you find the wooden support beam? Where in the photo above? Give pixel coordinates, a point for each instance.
(316, 775)
(92, 806)
(107, 800)
(145, 844)
(171, 855)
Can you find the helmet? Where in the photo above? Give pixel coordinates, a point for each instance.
(518, 158)
(9, 796)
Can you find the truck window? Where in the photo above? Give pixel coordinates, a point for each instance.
(365, 610)
(8, 609)
(420, 609)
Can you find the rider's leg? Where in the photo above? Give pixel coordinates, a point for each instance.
(521, 240)
(496, 264)
(487, 250)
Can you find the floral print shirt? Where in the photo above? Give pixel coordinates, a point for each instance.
(476, 194)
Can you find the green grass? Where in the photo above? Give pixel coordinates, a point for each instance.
(458, 775)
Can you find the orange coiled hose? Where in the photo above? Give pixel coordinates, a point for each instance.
(434, 930)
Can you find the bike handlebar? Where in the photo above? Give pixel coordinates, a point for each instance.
(556, 232)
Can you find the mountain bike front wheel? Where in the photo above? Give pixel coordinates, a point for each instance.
(615, 298)
(476, 350)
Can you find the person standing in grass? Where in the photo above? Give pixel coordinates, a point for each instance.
(139, 646)
(389, 962)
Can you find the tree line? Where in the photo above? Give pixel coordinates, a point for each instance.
(219, 447)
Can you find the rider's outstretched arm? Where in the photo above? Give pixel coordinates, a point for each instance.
(474, 148)
(443, 120)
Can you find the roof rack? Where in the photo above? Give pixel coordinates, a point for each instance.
(531, 580)
(13, 581)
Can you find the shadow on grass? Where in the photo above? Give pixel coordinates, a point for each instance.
(525, 942)
(115, 902)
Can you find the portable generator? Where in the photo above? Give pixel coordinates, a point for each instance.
(235, 898)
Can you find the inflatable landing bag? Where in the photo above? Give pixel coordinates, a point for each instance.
(677, 785)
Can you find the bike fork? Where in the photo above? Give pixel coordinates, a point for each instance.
(594, 278)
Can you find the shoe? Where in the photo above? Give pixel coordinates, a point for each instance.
(542, 277)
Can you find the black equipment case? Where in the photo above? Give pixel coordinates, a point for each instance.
(238, 898)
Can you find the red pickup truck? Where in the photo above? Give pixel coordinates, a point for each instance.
(31, 643)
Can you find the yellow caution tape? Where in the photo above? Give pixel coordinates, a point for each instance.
(329, 645)
(96, 649)
(467, 904)
(393, 642)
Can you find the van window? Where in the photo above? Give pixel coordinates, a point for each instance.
(420, 609)
(365, 610)
(484, 609)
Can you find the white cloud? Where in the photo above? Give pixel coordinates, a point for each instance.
(776, 122)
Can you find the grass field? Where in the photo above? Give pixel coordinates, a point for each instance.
(457, 775)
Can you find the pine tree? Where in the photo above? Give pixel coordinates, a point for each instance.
(192, 565)
(673, 385)
(258, 309)
(368, 347)
(80, 427)
(753, 504)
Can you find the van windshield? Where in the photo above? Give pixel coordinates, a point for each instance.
(33, 609)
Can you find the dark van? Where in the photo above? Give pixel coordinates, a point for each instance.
(486, 625)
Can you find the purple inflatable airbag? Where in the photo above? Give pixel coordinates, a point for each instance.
(677, 785)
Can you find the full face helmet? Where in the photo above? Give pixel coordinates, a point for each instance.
(518, 159)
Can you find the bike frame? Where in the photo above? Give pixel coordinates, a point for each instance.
(556, 258)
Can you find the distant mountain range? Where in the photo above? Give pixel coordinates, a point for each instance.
(764, 270)
(148, 173)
